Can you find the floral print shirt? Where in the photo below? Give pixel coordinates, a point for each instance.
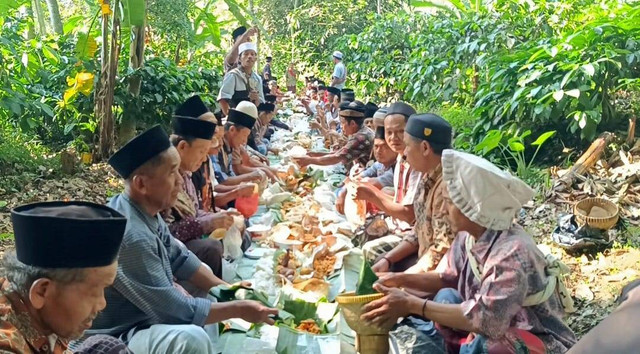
(432, 232)
(513, 268)
(17, 331)
(358, 148)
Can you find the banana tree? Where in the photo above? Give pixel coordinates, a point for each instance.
(54, 15)
(135, 14)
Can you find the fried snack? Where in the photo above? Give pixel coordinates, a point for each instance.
(309, 326)
(323, 264)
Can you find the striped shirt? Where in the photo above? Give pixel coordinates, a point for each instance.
(143, 293)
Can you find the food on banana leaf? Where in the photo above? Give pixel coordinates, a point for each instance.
(323, 263)
(309, 326)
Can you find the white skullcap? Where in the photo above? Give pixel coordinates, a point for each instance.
(247, 46)
(484, 193)
(337, 55)
(247, 107)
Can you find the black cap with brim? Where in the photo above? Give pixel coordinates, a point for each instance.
(139, 150)
(334, 90)
(193, 127)
(67, 234)
(238, 32)
(193, 107)
(353, 109)
(431, 128)
(401, 108)
(241, 118)
(380, 133)
(266, 107)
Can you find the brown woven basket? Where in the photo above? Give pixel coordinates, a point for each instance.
(603, 223)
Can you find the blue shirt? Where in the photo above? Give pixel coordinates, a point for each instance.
(143, 293)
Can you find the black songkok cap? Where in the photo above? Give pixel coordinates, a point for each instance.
(219, 115)
(270, 98)
(353, 109)
(238, 32)
(347, 95)
(380, 133)
(139, 150)
(193, 127)
(67, 234)
(266, 107)
(193, 107)
(401, 108)
(241, 118)
(334, 90)
(370, 109)
(431, 128)
(322, 87)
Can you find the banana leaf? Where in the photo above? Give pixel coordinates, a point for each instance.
(366, 280)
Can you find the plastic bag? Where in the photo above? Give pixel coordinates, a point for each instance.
(576, 239)
(233, 243)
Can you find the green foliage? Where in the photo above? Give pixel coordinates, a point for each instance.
(21, 156)
(565, 81)
(165, 86)
(308, 34)
(533, 65)
(511, 148)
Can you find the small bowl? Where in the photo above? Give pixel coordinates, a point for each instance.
(259, 231)
(603, 223)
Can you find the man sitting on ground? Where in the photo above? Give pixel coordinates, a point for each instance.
(425, 137)
(187, 222)
(380, 174)
(398, 208)
(496, 292)
(145, 306)
(359, 144)
(53, 283)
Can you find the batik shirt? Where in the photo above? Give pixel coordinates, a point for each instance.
(17, 331)
(432, 232)
(358, 148)
(184, 216)
(514, 268)
(149, 261)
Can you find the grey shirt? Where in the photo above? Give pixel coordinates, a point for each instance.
(236, 80)
(143, 293)
(340, 72)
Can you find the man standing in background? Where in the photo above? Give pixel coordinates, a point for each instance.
(266, 71)
(339, 75)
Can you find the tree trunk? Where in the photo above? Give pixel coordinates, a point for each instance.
(379, 7)
(104, 93)
(31, 31)
(127, 127)
(42, 28)
(585, 162)
(176, 59)
(54, 16)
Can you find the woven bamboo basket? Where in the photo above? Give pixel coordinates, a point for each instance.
(370, 339)
(581, 210)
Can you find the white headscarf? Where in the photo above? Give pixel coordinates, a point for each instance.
(484, 193)
(247, 46)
